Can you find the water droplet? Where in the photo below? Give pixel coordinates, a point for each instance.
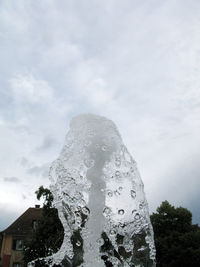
(112, 232)
(126, 174)
(120, 188)
(78, 221)
(117, 174)
(85, 211)
(121, 225)
(137, 216)
(121, 212)
(100, 241)
(78, 243)
(77, 195)
(70, 254)
(133, 194)
(78, 208)
(82, 203)
(118, 161)
(78, 214)
(104, 148)
(106, 211)
(68, 145)
(117, 193)
(110, 193)
(142, 248)
(87, 143)
(140, 206)
(90, 133)
(88, 163)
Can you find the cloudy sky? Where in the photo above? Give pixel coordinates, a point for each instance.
(136, 62)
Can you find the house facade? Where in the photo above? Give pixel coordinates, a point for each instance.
(12, 238)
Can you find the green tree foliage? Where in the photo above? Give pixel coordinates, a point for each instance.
(177, 240)
(48, 235)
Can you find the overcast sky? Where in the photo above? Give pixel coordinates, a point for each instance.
(136, 62)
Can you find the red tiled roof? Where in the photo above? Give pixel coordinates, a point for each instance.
(24, 223)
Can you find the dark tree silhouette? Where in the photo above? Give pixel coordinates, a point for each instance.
(177, 240)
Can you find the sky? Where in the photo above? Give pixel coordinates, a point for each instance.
(135, 62)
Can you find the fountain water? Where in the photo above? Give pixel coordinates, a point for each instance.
(99, 195)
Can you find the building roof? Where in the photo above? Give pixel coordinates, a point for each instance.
(24, 224)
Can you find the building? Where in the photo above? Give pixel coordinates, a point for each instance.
(12, 238)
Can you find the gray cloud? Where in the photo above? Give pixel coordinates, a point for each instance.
(135, 62)
(24, 161)
(39, 170)
(24, 196)
(7, 218)
(180, 185)
(194, 208)
(12, 179)
(47, 143)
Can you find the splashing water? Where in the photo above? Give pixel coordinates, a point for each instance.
(99, 195)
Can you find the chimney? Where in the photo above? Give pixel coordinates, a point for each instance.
(37, 206)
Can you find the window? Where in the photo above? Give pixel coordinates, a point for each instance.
(18, 244)
(35, 224)
(17, 264)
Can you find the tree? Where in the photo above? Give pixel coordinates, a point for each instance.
(177, 240)
(48, 235)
